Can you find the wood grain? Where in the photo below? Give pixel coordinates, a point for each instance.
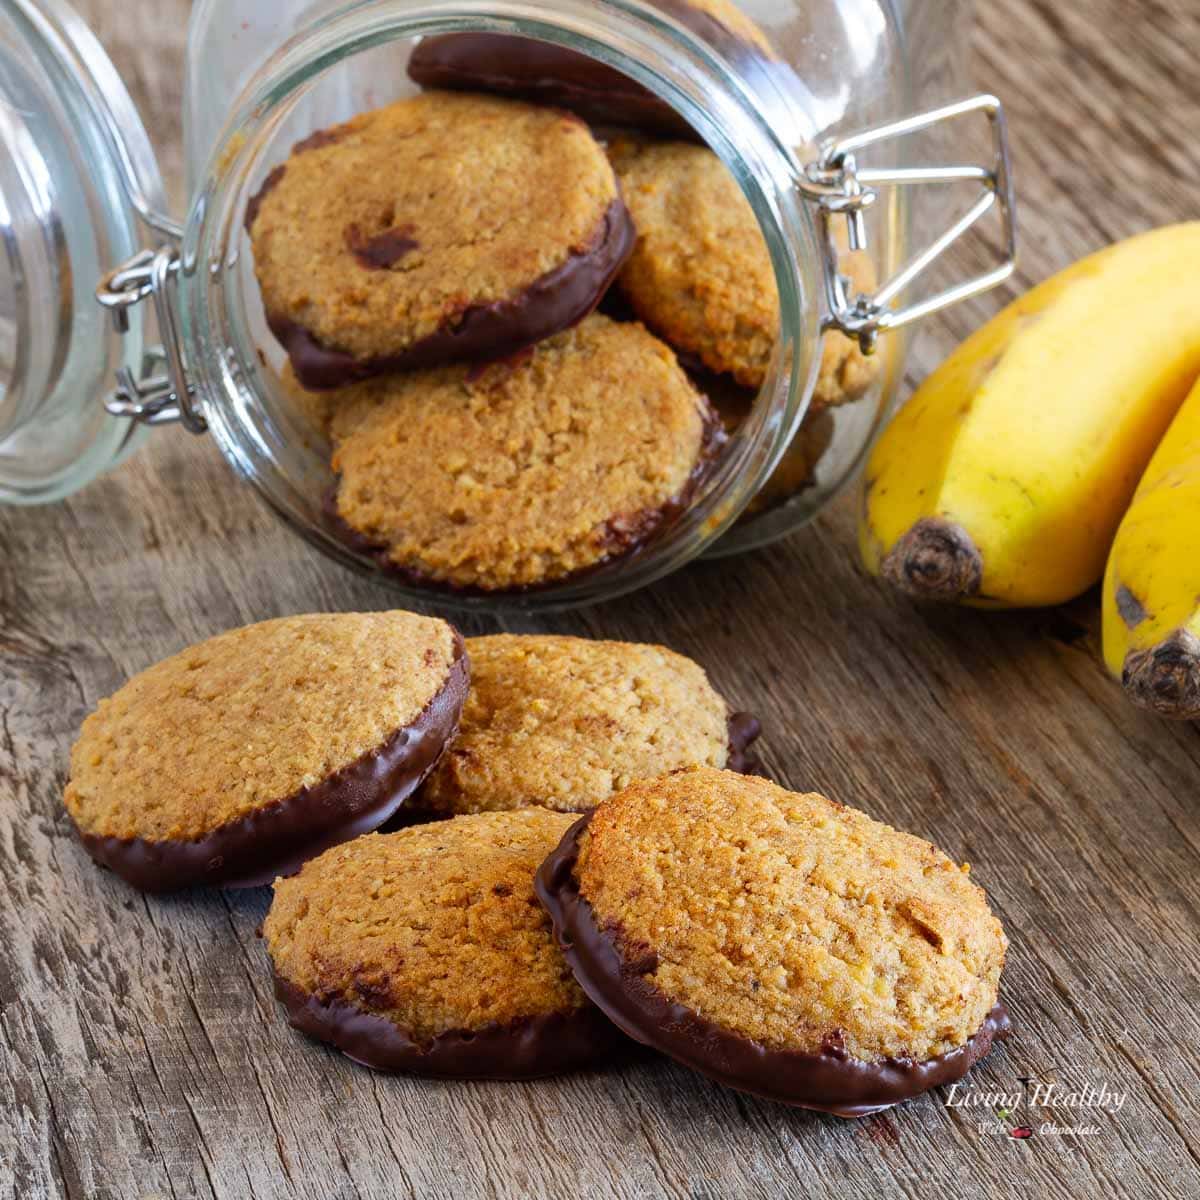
(141, 1054)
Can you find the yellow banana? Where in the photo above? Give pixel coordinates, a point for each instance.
(1152, 584)
(1002, 481)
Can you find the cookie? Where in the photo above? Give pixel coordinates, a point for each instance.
(782, 944)
(564, 722)
(551, 74)
(443, 228)
(241, 757)
(426, 951)
(525, 472)
(700, 275)
(796, 471)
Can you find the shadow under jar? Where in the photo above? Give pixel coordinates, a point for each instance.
(807, 106)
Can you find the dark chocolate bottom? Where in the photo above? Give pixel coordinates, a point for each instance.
(482, 332)
(530, 1048)
(281, 837)
(507, 65)
(546, 73)
(744, 729)
(830, 1081)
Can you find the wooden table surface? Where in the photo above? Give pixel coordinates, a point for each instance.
(141, 1053)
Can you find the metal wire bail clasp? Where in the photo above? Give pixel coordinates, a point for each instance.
(842, 189)
(160, 393)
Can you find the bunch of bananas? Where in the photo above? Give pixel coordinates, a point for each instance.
(1061, 436)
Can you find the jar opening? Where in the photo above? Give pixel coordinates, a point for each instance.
(309, 83)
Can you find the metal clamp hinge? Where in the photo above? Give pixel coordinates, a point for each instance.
(844, 190)
(160, 393)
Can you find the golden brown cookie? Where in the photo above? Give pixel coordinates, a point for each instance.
(797, 469)
(700, 275)
(442, 228)
(551, 74)
(426, 951)
(243, 756)
(564, 722)
(783, 944)
(524, 472)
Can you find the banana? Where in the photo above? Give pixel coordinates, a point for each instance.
(1002, 481)
(1152, 583)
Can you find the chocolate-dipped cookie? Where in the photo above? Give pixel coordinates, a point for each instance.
(701, 276)
(525, 472)
(442, 228)
(783, 944)
(550, 74)
(241, 757)
(564, 722)
(425, 951)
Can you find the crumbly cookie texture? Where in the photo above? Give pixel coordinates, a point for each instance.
(435, 928)
(565, 722)
(526, 471)
(378, 233)
(792, 920)
(700, 275)
(250, 717)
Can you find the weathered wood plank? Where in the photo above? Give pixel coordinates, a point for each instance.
(140, 1051)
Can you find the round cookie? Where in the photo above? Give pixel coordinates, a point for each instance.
(782, 944)
(564, 722)
(442, 228)
(700, 275)
(426, 951)
(241, 757)
(524, 472)
(797, 469)
(550, 74)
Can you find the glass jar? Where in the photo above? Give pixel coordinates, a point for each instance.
(822, 145)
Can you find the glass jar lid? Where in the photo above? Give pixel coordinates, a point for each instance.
(77, 180)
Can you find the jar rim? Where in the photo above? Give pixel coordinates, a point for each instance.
(73, 143)
(652, 49)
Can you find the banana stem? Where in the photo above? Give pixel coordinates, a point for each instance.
(1166, 678)
(935, 560)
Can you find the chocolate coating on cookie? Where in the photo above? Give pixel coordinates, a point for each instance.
(283, 836)
(829, 1080)
(442, 228)
(559, 299)
(527, 472)
(550, 74)
(425, 950)
(529, 1048)
(782, 944)
(743, 730)
(221, 813)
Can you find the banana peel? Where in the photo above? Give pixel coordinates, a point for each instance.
(1003, 480)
